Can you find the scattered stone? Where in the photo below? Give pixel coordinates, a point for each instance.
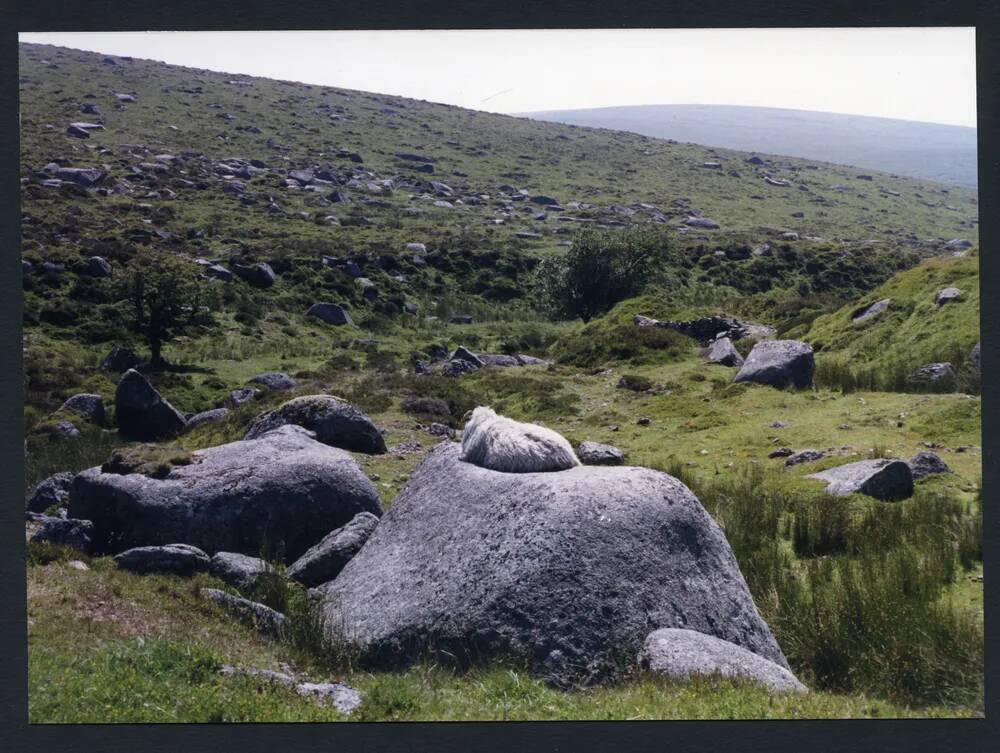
(330, 313)
(239, 570)
(142, 413)
(931, 373)
(242, 396)
(120, 359)
(206, 417)
(178, 559)
(927, 464)
(947, 295)
(275, 380)
(72, 532)
(680, 654)
(50, 492)
(96, 266)
(258, 275)
(781, 452)
(344, 698)
(78, 565)
(257, 616)
(89, 406)
(804, 456)
(282, 491)
(779, 363)
(884, 479)
(870, 311)
(595, 453)
(536, 564)
(461, 319)
(644, 421)
(324, 561)
(702, 222)
(723, 352)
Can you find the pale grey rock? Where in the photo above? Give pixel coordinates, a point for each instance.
(883, 478)
(324, 561)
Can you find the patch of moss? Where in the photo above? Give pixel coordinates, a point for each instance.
(147, 459)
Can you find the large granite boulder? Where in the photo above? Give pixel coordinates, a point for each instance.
(280, 492)
(323, 562)
(882, 478)
(335, 422)
(570, 570)
(779, 363)
(680, 654)
(142, 413)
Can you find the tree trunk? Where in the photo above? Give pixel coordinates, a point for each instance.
(155, 347)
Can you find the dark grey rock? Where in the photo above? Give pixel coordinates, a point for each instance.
(96, 266)
(239, 570)
(282, 491)
(120, 359)
(804, 456)
(330, 313)
(275, 380)
(455, 367)
(258, 616)
(142, 413)
(932, 372)
(178, 559)
(206, 417)
(241, 396)
(779, 363)
(595, 453)
(82, 176)
(258, 275)
(926, 464)
(882, 478)
(324, 561)
(569, 569)
(71, 532)
(461, 319)
(702, 222)
(947, 295)
(681, 654)
(464, 354)
(870, 311)
(89, 406)
(724, 353)
(974, 356)
(781, 452)
(51, 491)
(335, 422)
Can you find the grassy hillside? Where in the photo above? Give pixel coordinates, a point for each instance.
(923, 150)
(878, 606)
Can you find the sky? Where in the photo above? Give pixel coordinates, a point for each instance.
(919, 73)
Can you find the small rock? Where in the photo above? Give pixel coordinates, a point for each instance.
(804, 456)
(258, 616)
(595, 453)
(179, 559)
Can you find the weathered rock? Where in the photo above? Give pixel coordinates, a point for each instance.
(569, 569)
(120, 359)
(142, 413)
(178, 559)
(239, 570)
(330, 313)
(71, 532)
(455, 367)
(335, 422)
(974, 356)
(870, 311)
(882, 478)
(461, 319)
(342, 697)
(258, 616)
(89, 406)
(947, 295)
(324, 561)
(82, 176)
(926, 464)
(258, 275)
(779, 363)
(595, 453)
(206, 417)
(959, 243)
(281, 491)
(96, 266)
(681, 654)
(781, 452)
(50, 492)
(723, 352)
(702, 222)
(804, 456)
(275, 380)
(932, 373)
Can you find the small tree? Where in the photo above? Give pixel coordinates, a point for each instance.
(601, 268)
(164, 294)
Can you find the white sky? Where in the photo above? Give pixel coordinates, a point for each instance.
(924, 74)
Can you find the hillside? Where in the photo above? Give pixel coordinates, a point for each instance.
(931, 151)
(425, 233)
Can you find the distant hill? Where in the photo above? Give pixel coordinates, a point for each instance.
(921, 150)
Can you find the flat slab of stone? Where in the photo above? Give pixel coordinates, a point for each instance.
(569, 569)
(282, 491)
(681, 654)
(882, 478)
(177, 559)
(871, 311)
(324, 561)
